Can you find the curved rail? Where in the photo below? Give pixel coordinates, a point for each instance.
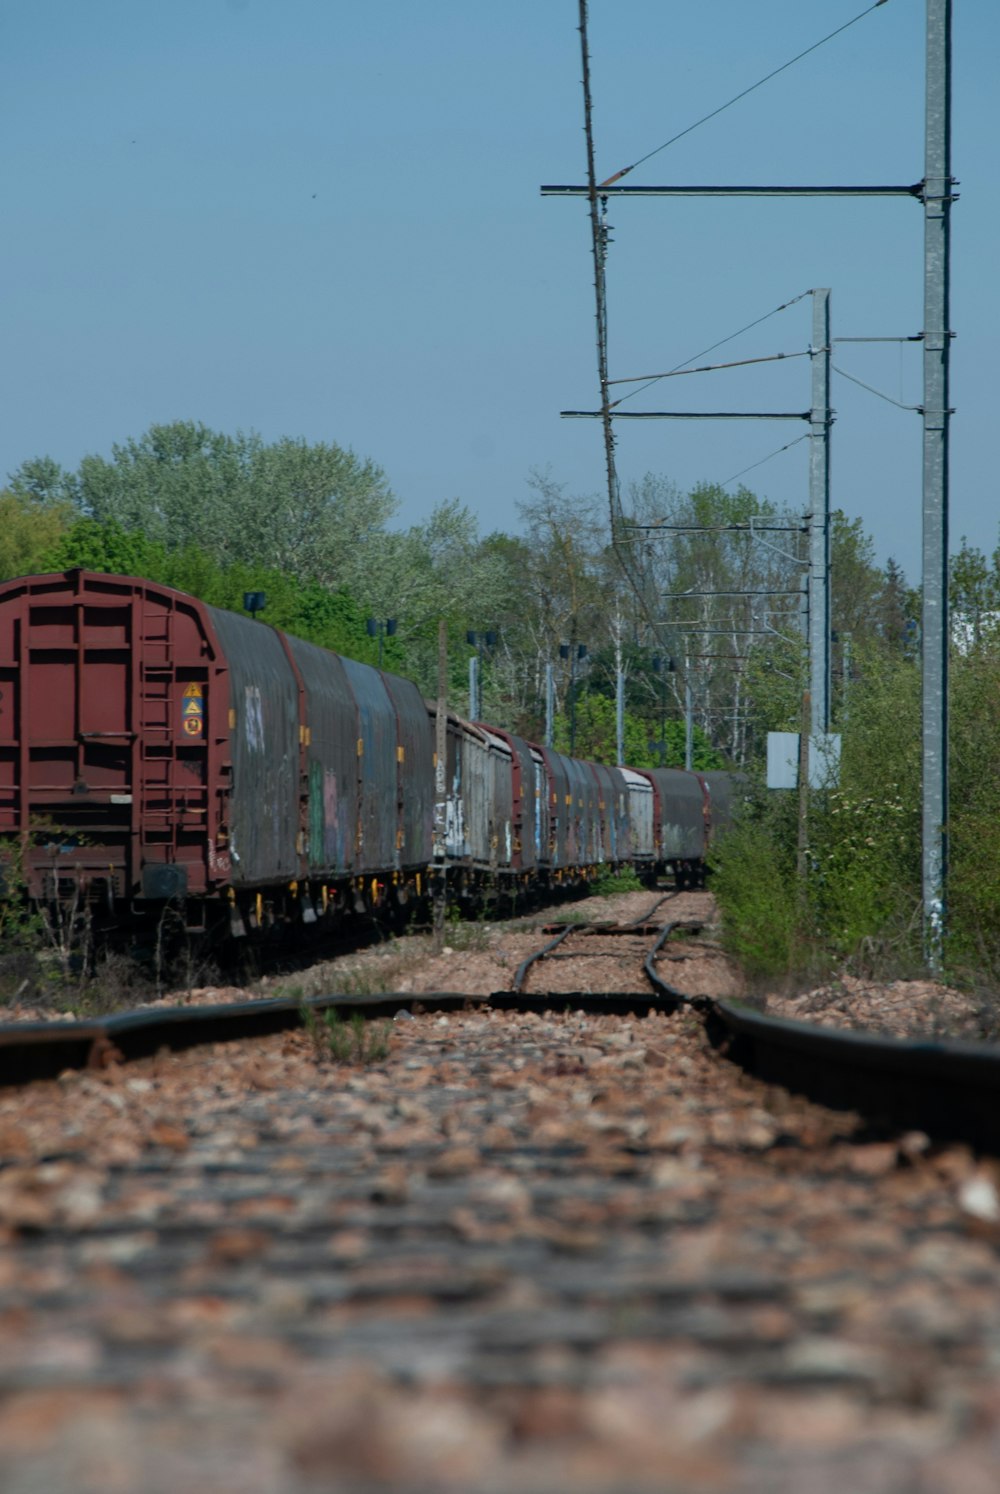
(521, 973)
(946, 1087)
(667, 992)
(637, 926)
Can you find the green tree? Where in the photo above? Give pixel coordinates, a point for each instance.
(29, 528)
(856, 582)
(973, 595)
(320, 512)
(329, 618)
(313, 510)
(43, 481)
(596, 738)
(562, 594)
(95, 546)
(974, 815)
(896, 605)
(442, 569)
(307, 523)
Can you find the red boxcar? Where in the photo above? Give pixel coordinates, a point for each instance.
(152, 746)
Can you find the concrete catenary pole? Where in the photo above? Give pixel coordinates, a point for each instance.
(688, 715)
(937, 197)
(439, 889)
(820, 420)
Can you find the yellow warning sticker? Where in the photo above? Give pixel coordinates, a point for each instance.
(193, 708)
(193, 692)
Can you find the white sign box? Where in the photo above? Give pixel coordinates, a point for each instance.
(783, 759)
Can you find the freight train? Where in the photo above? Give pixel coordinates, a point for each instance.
(157, 751)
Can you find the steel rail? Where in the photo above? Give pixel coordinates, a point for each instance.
(672, 998)
(521, 973)
(32, 1051)
(946, 1087)
(639, 925)
(551, 951)
(44, 1050)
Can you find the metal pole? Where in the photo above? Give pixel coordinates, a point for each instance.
(819, 521)
(663, 720)
(474, 688)
(688, 718)
(802, 847)
(572, 699)
(938, 186)
(550, 698)
(439, 889)
(889, 189)
(620, 716)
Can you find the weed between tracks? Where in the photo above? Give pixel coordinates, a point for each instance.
(356, 1041)
(611, 882)
(571, 916)
(466, 936)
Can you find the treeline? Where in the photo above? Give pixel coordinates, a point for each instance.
(311, 525)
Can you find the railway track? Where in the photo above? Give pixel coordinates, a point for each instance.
(607, 944)
(943, 1086)
(536, 1244)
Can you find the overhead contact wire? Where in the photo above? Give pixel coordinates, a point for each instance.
(770, 456)
(679, 367)
(677, 373)
(711, 367)
(736, 98)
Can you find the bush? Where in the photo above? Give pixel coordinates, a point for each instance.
(608, 882)
(860, 867)
(974, 823)
(755, 888)
(862, 883)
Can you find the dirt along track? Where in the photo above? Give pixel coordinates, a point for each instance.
(518, 1252)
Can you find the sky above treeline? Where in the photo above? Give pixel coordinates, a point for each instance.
(323, 220)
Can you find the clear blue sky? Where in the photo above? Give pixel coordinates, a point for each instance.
(318, 218)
